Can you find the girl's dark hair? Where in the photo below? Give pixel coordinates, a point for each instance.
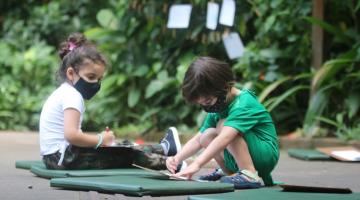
(207, 77)
(75, 51)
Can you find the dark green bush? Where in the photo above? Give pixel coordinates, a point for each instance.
(141, 89)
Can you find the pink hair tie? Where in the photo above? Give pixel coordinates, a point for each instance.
(72, 46)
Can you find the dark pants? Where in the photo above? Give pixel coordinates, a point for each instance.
(150, 156)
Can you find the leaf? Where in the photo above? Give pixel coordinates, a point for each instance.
(149, 113)
(107, 19)
(353, 103)
(242, 26)
(120, 79)
(196, 32)
(271, 53)
(317, 104)
(133, 97)
(112, 80)
(269, 102)
(284, 96)
(357, 6)
(97, 33)
(302, 75)
(270, 76)
(330, 28)
(154, 87)
(163, 75)
(269, 22)
(271, 88)
(328, 71)
(30, 54)
(5, 113)
(181, 69)
(157, 66)
(141, 71)
(328, 121)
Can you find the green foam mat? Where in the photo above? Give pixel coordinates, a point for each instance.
(276, 194)
(41, 171)
(308, 154)
(140, 186)
(26, 164)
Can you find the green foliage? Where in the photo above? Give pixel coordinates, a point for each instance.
(24, 77)
(151, 76)
(343, 131)
(336, 85)
(28, 63)
(142, 87)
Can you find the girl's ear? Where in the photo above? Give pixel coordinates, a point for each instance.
(70, 74)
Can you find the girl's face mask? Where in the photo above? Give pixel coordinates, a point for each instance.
(219, 106)
(87, 89)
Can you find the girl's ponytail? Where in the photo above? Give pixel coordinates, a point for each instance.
(75, 51)
(74, 40)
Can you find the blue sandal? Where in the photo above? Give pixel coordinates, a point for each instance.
(243, 180)
(213, 176)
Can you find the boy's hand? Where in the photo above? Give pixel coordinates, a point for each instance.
(189, 171)
(171, 164)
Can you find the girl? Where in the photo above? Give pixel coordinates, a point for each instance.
(238, 132)
(62, 143)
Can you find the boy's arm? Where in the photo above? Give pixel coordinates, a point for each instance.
(218, 144)
(190, 148)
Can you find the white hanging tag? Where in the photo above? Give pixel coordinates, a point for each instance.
(212, 15)
(233, 45)
(179, 16)
(227, 13)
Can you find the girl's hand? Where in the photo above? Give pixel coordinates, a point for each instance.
(171, 164)
(189, 171)
(108, 138)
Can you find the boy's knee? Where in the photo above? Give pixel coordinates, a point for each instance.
(208, 136)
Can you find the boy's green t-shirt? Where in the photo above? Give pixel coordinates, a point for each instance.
(247, 115)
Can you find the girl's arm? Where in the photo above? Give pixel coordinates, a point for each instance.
(75, 136)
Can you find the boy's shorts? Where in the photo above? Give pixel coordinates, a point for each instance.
(264, 155)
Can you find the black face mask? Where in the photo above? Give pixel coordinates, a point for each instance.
(87, 89)
(219, 106)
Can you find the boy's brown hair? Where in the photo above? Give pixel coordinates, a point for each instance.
(207, 77)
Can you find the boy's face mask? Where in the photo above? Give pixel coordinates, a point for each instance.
(219, 106)
(87, 89)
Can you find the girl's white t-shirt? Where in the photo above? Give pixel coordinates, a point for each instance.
(51, 127)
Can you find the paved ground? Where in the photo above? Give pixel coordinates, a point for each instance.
(21, 184)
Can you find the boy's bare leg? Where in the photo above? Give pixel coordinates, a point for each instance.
(206, 138)
(239, 150)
